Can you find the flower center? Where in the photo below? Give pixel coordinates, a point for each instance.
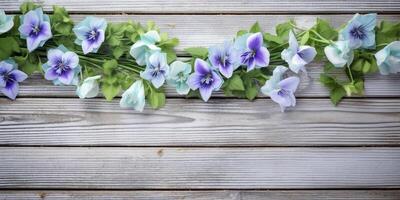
(157, 70)
(61, 67)
(181, 77)
(224, 61)
(207, 79)
(283, 92)
(35, 30)
(92, 35)
(358, 32)
(247, 56)
(8, 78)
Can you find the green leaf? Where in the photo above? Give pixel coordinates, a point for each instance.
(118, 52)
(325, 29)
(109, 66)
(251, 92)
(255, 28)
(27, 6)
(171, 55)
(282, 30)
(337, 94)
(28, 64)
(387, 32)
(156, 99)
(241, 32)
(197, 52)
(268, 37)
(235, 83)
(110, 90)
(8, 46)
(304, 38)
(61, 22)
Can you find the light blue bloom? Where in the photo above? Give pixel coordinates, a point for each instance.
(178, 75)
(360, 31)
(89, 87)
(35, 28)
(6, 22)
(156, 69)
(388, 58)
(339, 53)
(143, 48)
(62, 66)
(10, 77)
(134, 97)
(281, 91)
(297, 56)
(90, 34)
(224, 58)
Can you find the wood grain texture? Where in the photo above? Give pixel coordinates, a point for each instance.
(218, 6)
(199, 168)
(203, 195)
(190, 122)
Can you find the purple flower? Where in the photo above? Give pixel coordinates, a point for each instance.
(281, 91)
(254, 55)
(156, 69)
(224, 57)
(90, 34)
(62, 66)
(205, 79)
(10, 76)
(360, 31)
(35, 28)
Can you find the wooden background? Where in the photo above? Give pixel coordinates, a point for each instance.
(56, 146)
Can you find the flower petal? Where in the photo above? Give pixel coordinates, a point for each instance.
(71, 59)
(284, 100)
(205, 93)
(307, 53)
(194, 81)
(289, 84)
(201, 66)
(11, 89)
(262, 57)
(19, 76)
(255, 41)
(66, 77)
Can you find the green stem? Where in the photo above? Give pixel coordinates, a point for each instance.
(350, 74)
(321, 37)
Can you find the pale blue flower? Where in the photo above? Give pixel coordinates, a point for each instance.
(178, 75)
(6, 22)
(134, 97)
(281, 91)
(225, 58)
(253, 54)
(62, 66)
(297, 56)
(35, 28)
(205, 79)
(339, 53)
(90, 34)
(10, 77)
(388, 58)
(89, 87)
(143, 48)
(156, 69)
(360, 31)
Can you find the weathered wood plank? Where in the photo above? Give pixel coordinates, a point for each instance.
(199, 168)
(190, 122)
(203, 195)
(219, 6)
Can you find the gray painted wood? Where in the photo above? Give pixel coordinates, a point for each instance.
(204, 195)
(190, 122)
(219, 6)
(199, 168)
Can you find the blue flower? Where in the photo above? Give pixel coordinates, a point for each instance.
(10, 76)
(35, 28)
(134, 97)
(89, 87)
(6, 22)
(281, 91)
(339, 53)
(297, 56)
(62, 66)
(90, 34)
(143, 48)
(388, 58)
(156, 69)
(224, 58)
(205, 79)
(178, 75)
(253, 54)
(360, 31)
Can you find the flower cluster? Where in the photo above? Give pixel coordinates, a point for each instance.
(139, 61)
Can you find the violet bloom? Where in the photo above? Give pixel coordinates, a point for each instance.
(62, 66)
(360, 31)
(35, 28)
(205, 79)
(297, 56)
(90, 34)
(281, 91)
(156, 69)
(254, 55)
(224, 58)
(10, 76)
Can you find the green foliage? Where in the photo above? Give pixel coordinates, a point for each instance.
(167, 45)
(29, 63)
(197, 52)
(337, 91)
(110, 83)
(255, 28)
(8, 46)
(155, 97)
(387, 32)
(27, 6)
(61, 23)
